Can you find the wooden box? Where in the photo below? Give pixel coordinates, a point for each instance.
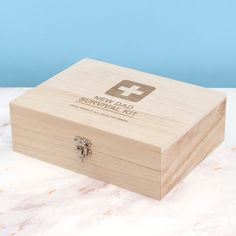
(132, 129)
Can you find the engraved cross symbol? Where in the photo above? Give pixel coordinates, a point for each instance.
(132, 90)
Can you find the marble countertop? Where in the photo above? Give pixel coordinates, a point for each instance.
(37, 198)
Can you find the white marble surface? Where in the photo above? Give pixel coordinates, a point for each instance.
(37, 198)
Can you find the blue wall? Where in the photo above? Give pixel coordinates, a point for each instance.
(192, 41)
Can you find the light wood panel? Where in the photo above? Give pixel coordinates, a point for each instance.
(163, 116)
(173, 129)
(183, 166)
(60, 151)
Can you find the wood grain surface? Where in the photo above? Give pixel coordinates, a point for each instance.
(173, 128)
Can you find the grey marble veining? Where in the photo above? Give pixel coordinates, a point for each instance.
(37, 198)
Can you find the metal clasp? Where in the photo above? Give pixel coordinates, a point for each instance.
(83, 146)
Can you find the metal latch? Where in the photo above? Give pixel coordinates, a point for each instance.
(83, 146)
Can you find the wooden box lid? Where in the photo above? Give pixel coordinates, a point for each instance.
(131, 115)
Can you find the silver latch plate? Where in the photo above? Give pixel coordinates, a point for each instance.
(83, 146)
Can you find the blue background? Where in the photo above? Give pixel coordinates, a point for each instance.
(192, 41)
